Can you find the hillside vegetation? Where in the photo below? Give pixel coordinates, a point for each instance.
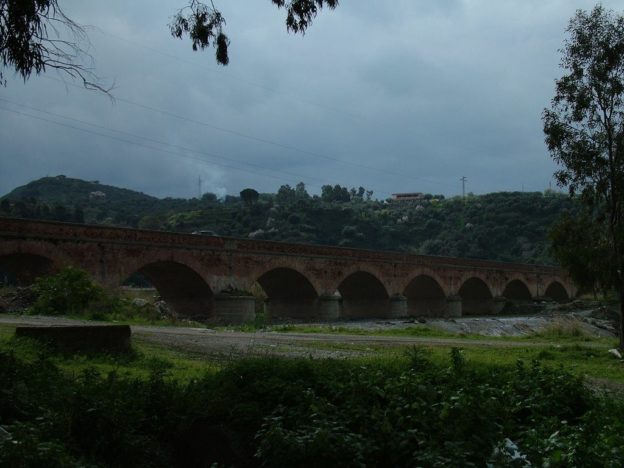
(505, 226)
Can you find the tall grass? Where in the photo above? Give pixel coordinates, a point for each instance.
(563, 329)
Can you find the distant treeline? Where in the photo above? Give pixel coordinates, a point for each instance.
(506, 226)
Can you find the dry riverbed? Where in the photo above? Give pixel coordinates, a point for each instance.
(338, 340)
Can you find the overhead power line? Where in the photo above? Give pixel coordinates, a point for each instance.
(154, 148)
(158, 142)
(239, 134)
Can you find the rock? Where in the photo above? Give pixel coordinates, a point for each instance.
(572, 306)
(509, 454)
(18, 299)
(165, 311)
(615, 353)
(605, 313)
(138, 302)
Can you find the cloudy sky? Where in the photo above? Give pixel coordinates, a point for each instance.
(408, 95)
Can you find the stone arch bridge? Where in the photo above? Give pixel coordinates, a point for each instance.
(209, 278)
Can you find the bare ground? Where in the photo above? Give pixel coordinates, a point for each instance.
(230, 344)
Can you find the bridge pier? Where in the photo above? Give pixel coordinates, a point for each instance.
(233, 310)
(497, 305)
(398, 307)
(427, 307)
(328, 308)
(453, 307)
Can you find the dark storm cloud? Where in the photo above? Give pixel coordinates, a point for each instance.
(408, 96)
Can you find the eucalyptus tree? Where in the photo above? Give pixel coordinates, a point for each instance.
(36, 35)
(584, 129)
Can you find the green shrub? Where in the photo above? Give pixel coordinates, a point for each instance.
(70, 291)
(298, 412)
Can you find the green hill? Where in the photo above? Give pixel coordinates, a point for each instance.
(506, 226)
(67, 191)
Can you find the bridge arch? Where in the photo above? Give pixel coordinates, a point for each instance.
(23, 262)
(517, 290)
(369, 269)
(425, 296)
(132, 263)
(557, 291)
(180, 286)
(22, 269)
(476, 296)
(291, 296)
(286, 283)
(363, 296)
(362, 285)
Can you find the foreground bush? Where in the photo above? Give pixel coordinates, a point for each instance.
(281, 412)
(72, 292)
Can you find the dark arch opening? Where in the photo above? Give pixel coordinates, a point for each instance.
(556, 292)
(476, 297)
(516, 290)
(21, 269)
(289, 295)
(184, 291)
(363, 296)
(286, 283)
(362, 285)
(425, 297)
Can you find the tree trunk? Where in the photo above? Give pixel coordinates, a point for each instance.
(621, 328)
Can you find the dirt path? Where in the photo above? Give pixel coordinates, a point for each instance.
(206, 341)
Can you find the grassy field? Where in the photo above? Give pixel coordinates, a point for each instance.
(577, 353)
(140, 362)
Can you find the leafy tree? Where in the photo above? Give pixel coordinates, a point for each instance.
(337, 193)
(286, 195)
(341, 194)
(26, 45)
(150, 222)
(60, 213)
(36, 34)
(585, 128)
(327, 193)
(580, 245)
(204, 25)
(301, 192)
(78, 214)
(249, 196)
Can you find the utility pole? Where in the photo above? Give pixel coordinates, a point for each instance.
(463, 181)
(199, 187)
